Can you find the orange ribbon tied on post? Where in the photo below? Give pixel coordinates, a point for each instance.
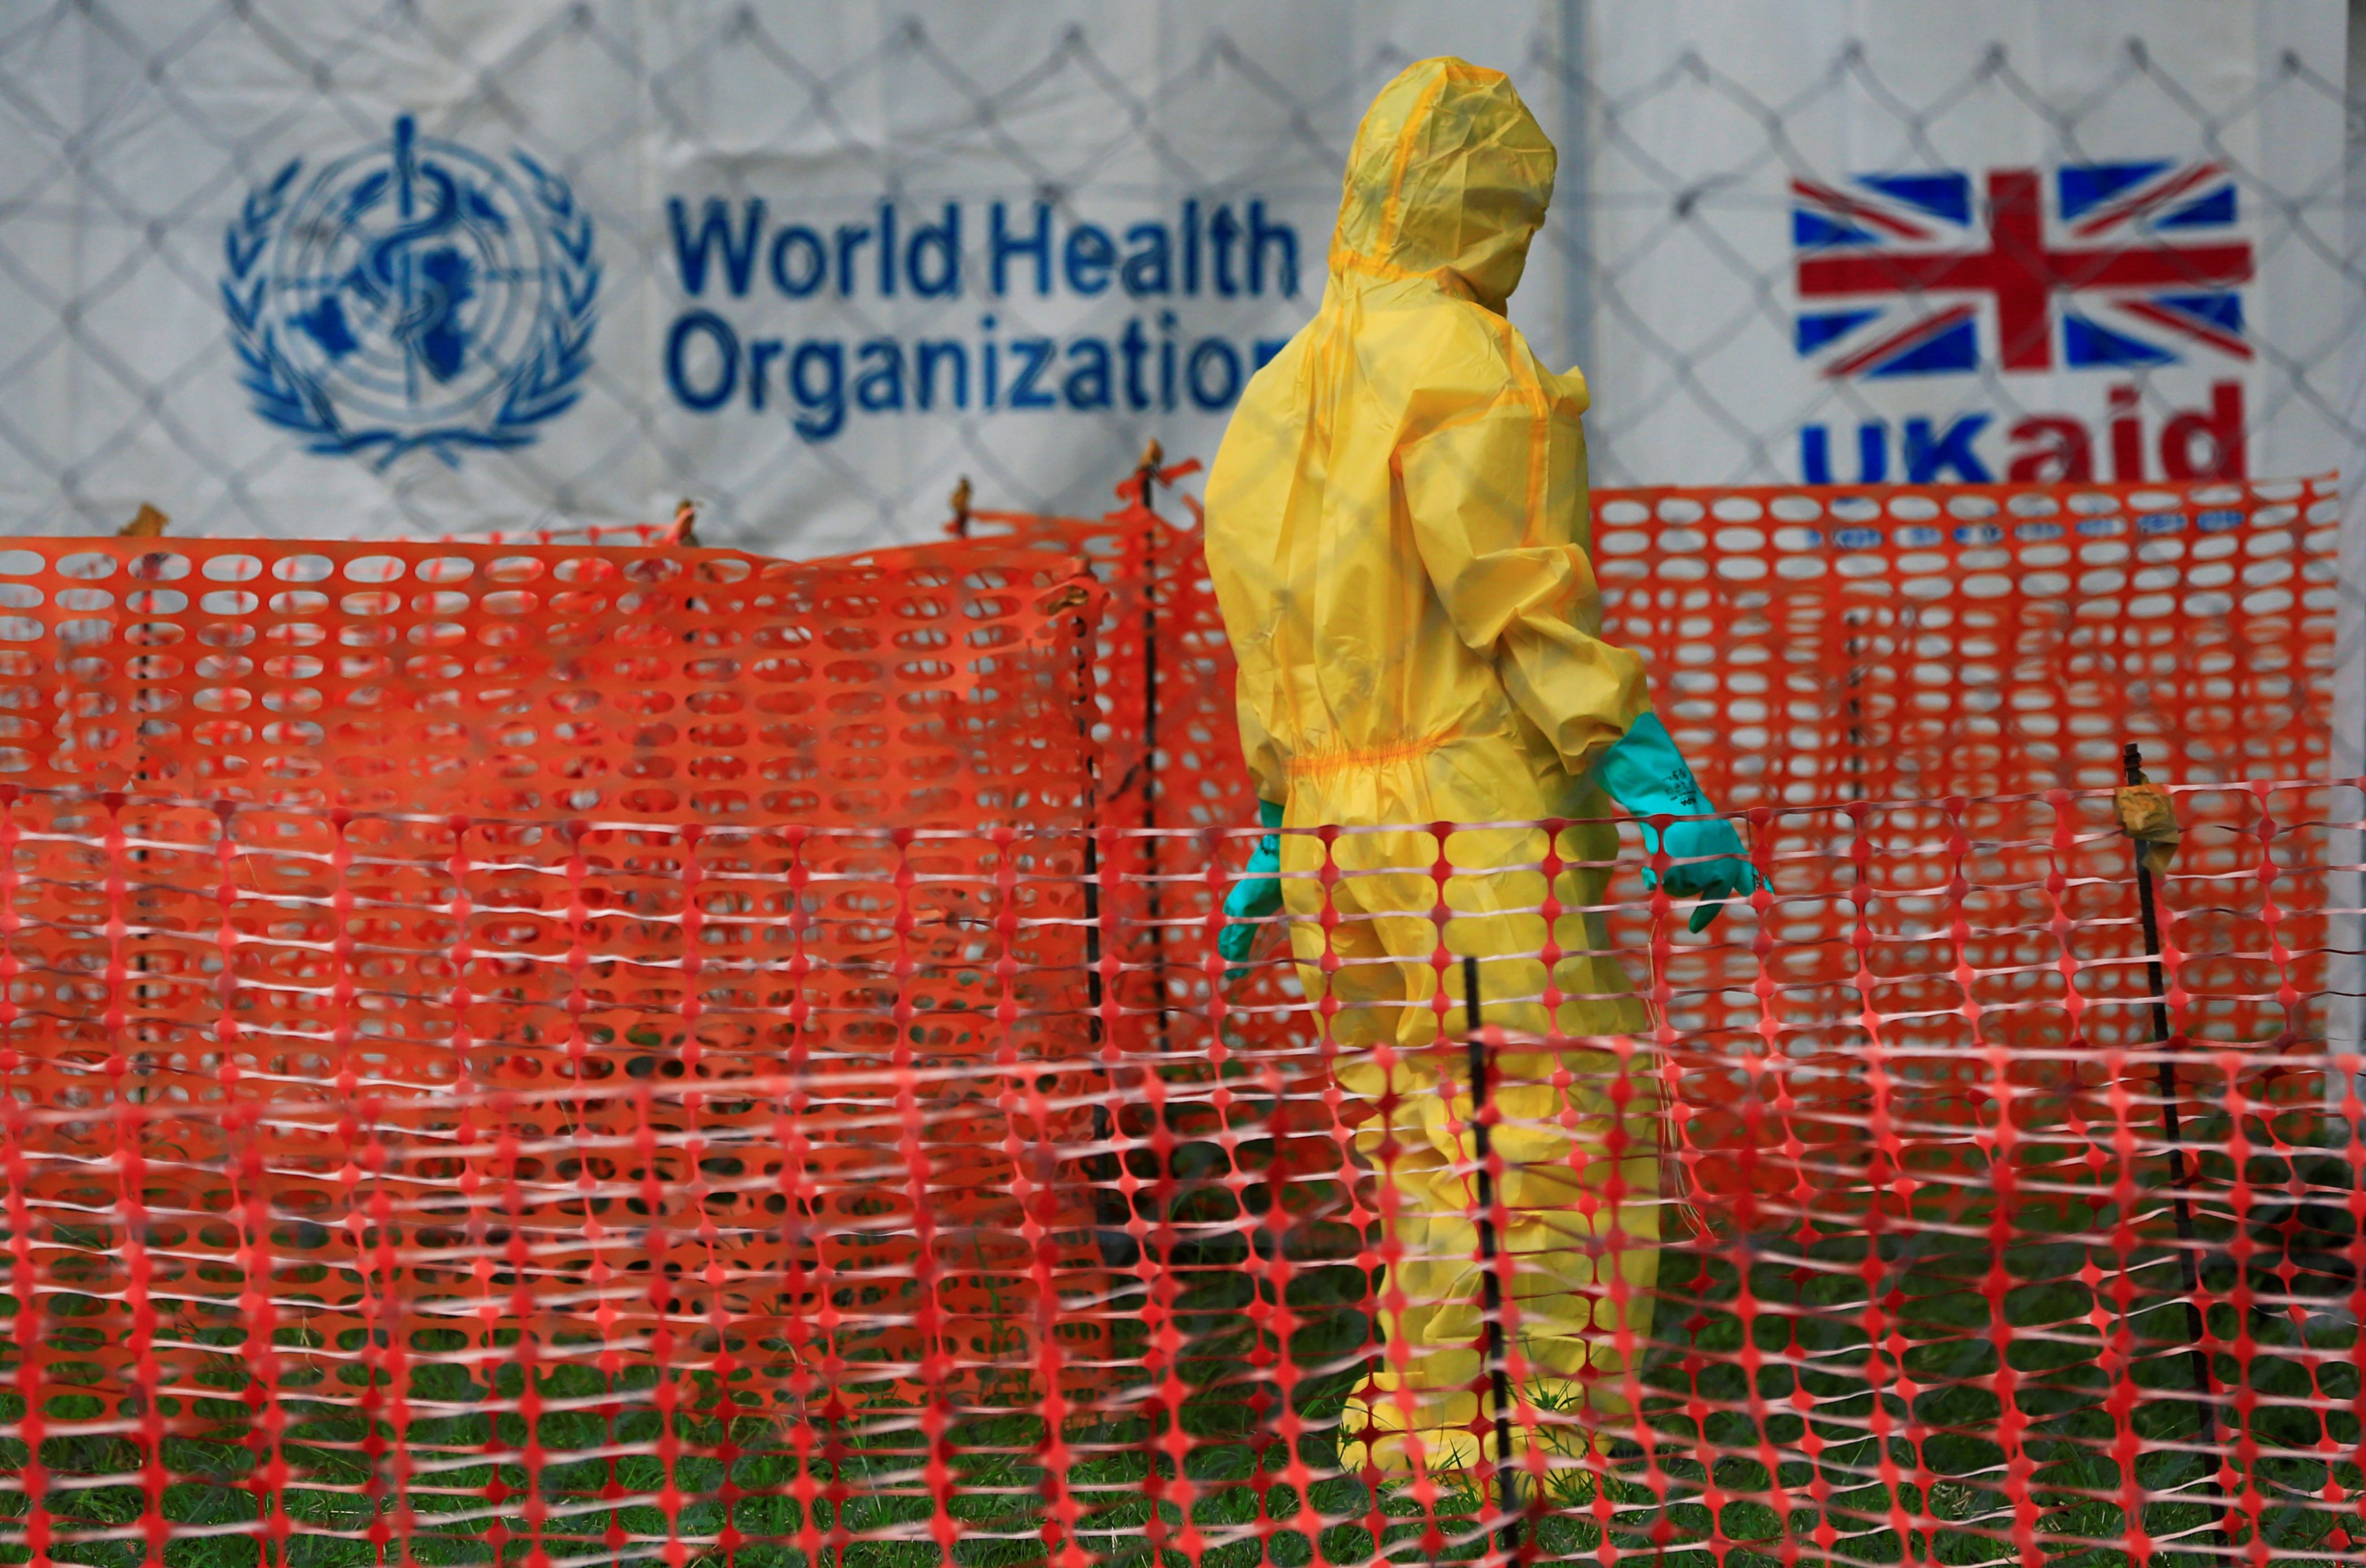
(2147, 816)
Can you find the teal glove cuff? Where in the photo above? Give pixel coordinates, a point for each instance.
(1257, 895)
(1646, 774)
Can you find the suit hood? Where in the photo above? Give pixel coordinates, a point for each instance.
(1449, 178)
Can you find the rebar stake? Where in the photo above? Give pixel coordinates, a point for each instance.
(1490, 1288)
(959, 500)
(1147, 477)
(2189, 1267)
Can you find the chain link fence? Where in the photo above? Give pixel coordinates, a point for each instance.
(702, 163)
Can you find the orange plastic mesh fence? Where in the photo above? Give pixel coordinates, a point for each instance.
(422, 1144)
(280, 1002)
(1886, 643)
(908, 687)
(1889, 643)
(1898, 643)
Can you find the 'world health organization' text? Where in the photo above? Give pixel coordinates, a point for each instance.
(897, 259)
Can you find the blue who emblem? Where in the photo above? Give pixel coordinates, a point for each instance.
(413, 294)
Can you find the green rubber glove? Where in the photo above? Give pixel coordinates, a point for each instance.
(1257, 897)
(1646, 774)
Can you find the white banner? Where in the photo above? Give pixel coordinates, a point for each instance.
(343, 269)
(338, 268)
(2013, 241)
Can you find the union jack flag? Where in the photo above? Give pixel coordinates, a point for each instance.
(2129, 264)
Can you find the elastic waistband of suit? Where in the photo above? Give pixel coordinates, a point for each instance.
(1317, 764)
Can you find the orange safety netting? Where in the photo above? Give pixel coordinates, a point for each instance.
(550, 828)
(655, 1054)
(1891, 643)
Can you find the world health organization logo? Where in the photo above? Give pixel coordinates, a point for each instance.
(413, 294)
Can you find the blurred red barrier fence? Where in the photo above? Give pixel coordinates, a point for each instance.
(337, 1228)
(658, 1055)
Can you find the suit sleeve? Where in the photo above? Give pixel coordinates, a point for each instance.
(1496, 493)
(1267, 766)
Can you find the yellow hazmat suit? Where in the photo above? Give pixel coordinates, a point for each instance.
(1397, 533)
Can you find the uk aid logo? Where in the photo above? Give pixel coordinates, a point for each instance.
(412, 296)
(2121, 269)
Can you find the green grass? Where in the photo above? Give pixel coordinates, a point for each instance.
(1703, 1500)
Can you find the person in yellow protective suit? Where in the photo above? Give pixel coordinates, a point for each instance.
(1396, 527)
